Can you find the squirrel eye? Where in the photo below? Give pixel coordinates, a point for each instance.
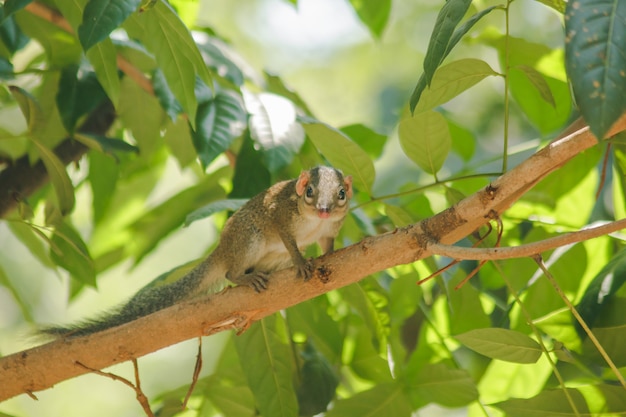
(309, 192)
(342, 194)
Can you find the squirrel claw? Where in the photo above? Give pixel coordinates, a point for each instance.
(258, 281)
(305, 270)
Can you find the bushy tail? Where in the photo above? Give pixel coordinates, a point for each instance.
(147, 301)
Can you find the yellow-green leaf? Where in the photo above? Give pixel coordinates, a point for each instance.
(342, 153)
(425, 138)
(58, 177)
(503, 344)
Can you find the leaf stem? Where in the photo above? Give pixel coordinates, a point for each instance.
(527, 249)
(427, 186)
(580, 320)
(539, 337)
(442, 341)
(505, 151)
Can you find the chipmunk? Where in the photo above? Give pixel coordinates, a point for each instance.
(266, 234)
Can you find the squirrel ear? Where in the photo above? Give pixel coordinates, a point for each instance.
(302, 182)
(347, 181)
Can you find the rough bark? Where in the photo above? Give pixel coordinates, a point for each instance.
(43, 366)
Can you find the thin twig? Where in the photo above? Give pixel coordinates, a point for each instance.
(196, 374)
(456, 261)
(500, 230)
(141, 397)
(605, 165)
(50, 15)
(529, 249)
(580, 320)
(539, 337)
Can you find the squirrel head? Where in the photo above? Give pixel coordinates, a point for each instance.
(325, 192)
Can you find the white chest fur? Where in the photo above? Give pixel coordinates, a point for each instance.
(313, 229)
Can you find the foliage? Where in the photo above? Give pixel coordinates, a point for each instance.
(502, 344)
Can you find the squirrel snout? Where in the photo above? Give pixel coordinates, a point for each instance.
(323, 211)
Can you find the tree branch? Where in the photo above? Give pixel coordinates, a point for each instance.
(529, 249)
(20, 180)
(43, 366)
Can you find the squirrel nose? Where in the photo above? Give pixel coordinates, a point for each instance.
(323, 212)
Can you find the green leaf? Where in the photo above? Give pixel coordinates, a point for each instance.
(274, 127)
(163, 219)
(436, 383)
(218, 123)
(70, 252)
(104, 144)
(602, 289)
(12, 38)
(251, 176)
(371, 304)
(58, 177)
(451, 80)
(72, 11)
(318, 382)
(610, 400)
(594, 57)
(101, 17)
(79, 93)
(609, 331)
(373, 13)
(164, 94)
(558, 5)
(6, 69)
(370, 141)
(398, 215)
(342, 153)
(539, 82)
(214, 207)
(465, 308)
(31, 237)
(276, 85)
(387, 399)
(548, 403)
(547, 106)
(103, 176)
(236, 401)
(12, 6)
(266, 346)
(177, 137)
(176, 53)
(425, 138)
(28, 106)
(448, 18)
(103, 57)
(305, 318)
(366, 362)
(21, 302)
(220, 63)
(423, 81)
(62, 48)
(463, 141)
(141, 113)
(503, 344)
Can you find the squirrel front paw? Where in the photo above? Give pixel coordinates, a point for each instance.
(258, 281)
(255, 279)
(305, 269)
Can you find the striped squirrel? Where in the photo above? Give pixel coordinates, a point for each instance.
(266, 234)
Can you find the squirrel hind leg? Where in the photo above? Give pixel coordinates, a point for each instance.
(256, 279)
